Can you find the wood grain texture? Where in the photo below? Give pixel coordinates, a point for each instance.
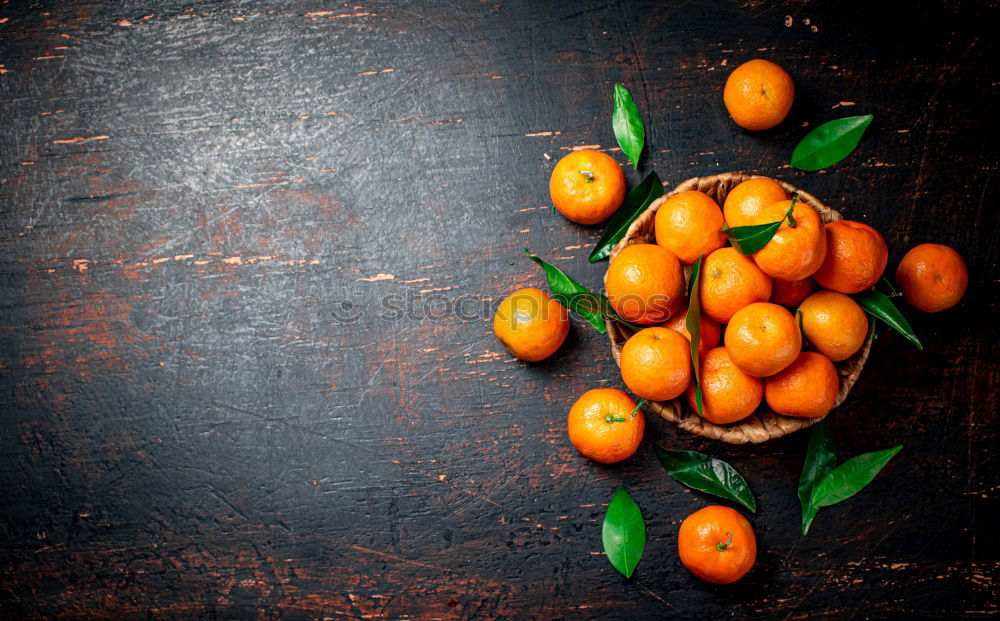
(194, 192)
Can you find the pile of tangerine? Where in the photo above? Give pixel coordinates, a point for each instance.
(757, 311)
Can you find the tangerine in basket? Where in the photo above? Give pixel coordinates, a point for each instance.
(531, 324)
(728, 393)
(758, 94)
(791, 292)
(747, 199)
(729, 281)
(645, 283)
(834, 324)
(932, 277)
(763, 338)
(799, 245)
(807, 388)
(656, 364)
(689, 224)
(856, 256)
(604, 425)
(709, 332)
(587, 186)
(717, 544)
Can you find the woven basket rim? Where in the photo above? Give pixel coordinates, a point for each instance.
(763, 424)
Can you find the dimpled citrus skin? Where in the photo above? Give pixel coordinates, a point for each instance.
(807, 388)
(747, 199)
(596, 438)
(709, 332)
(702, 534)
(728, 394)
(795, 252)
(729, 281)
(587, 186)
(531, 324)
(791, 292)
(856, 256)
(689, 224)
(758, 94)
(645, 284)
(763, 338)
(656, 364)
(834, 324)
(932, 277)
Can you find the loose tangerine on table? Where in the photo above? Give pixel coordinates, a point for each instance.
(531, 324)
(587, 186)
(717, 544)
(605, 425)
(932, 277)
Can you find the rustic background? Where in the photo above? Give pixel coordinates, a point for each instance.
(198, 197)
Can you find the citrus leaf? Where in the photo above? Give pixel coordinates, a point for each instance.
(627, 123)
(693, 324)
(821, 457)
(623, 533)
(752, 237)
(706, 474)
(564, 289)
(851, 477)
(829, 143)
(636, 202)
(880, 305)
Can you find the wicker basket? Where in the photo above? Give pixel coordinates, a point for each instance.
(762, 425)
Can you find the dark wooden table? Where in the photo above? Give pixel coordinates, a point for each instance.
(249, 253)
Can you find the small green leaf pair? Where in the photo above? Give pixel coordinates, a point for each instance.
(593, 307)
(821, 484)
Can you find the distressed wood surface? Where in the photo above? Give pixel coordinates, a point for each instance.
(249, 253)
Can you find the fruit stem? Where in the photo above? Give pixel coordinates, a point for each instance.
(589, 175)
(641, 403)
(721, 547)
(791, 220)
(613, 419)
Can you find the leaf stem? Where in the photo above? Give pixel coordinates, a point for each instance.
(641, 403)
(791, 220)
(589, 175)
(614, 419)
(721, 547)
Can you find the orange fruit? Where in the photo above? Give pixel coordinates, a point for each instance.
(602, 426)
(834, 324)
(728, 393)
(587, 186)
(689, 224)
(656, 364)
(717, 544)
(758, 94)
(763, 338)
(795, 252)
(531, 324)
(729, 281)
(932, 277)
(791, 292)
(645, 283)
(807, 388)
(855, 257)
(709, 332)
(747, 199)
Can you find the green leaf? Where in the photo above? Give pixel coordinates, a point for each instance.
(623, 533)
(706, 474)
(851, 477)
(636, 202)
(821, 457)
(693, 324)
(879, 305)
(572, 294)
(829, 143)
(627, 123)
(751, 238)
